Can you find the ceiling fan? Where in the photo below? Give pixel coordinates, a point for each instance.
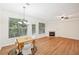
(64, 17)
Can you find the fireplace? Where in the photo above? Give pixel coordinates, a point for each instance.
(51, 33)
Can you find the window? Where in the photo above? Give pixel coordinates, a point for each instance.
(16, 29)
(33, 28)
(41, 28)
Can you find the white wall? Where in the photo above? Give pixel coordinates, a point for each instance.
(4, 26)
(33, 20)
(68, 28)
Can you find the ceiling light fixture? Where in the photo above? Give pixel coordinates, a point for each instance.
(24, 21)
(64, 17)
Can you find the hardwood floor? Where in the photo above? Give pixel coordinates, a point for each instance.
(57, 46)
(54, 46)
(5, 50)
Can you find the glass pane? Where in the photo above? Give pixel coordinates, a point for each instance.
(33, 29)
(16, 29)
(41, 28)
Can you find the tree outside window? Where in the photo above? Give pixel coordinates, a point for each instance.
(16, 29)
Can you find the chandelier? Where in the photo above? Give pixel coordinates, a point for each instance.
(24, 21)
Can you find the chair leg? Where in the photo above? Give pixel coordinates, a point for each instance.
(33, 50)
(20, 52)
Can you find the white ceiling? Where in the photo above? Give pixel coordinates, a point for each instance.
(46, 11)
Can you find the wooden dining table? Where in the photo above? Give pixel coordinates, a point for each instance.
(21, 42)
